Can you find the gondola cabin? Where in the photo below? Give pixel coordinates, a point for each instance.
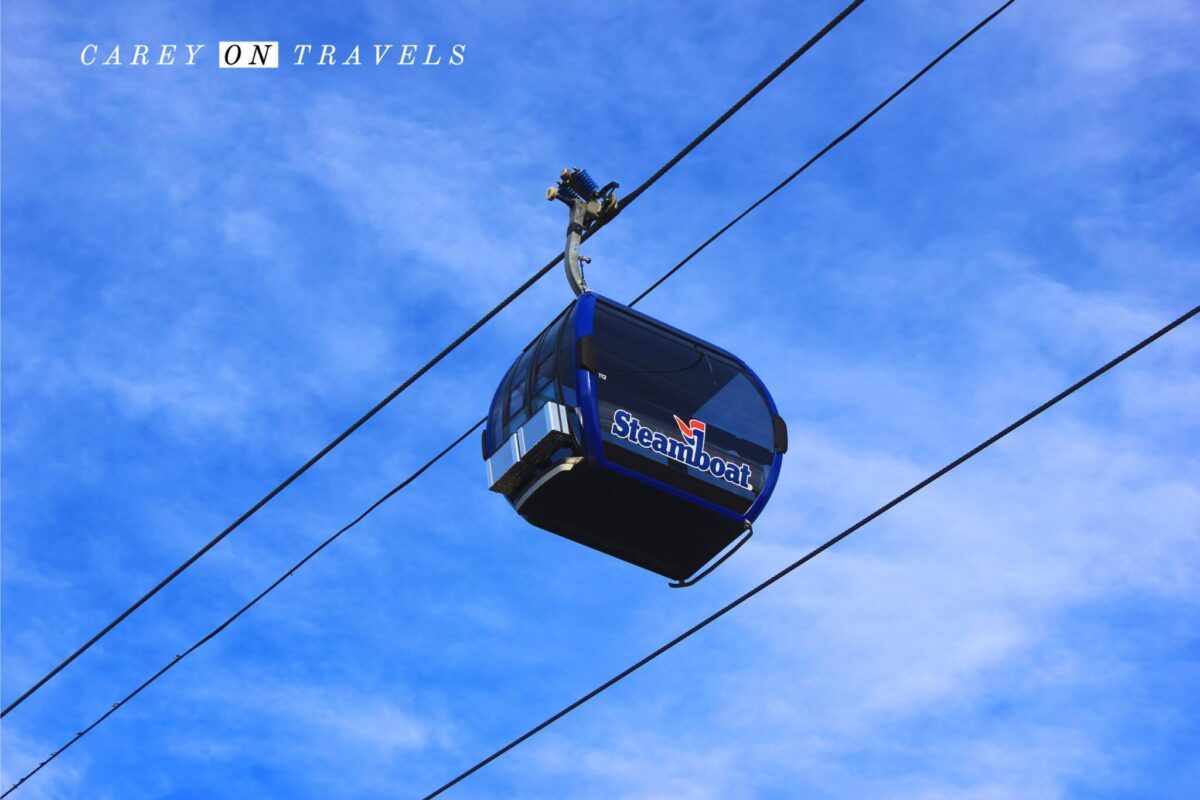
(633, 438)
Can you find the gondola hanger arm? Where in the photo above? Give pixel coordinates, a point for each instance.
(591, 206)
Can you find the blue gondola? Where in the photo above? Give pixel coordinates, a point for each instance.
(634, 438)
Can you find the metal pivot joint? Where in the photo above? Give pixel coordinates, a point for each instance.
(591, 207)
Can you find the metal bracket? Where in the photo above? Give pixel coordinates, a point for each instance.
(696, 579)
(591, 207)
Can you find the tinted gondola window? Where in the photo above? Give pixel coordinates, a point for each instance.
(680, 403)
(495, 423)
(543, 373)
(566, 359)
(517, 409)
(544, 388)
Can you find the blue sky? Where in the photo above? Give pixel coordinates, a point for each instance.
(208, 274)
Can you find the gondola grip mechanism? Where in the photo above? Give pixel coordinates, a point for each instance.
(591, 206)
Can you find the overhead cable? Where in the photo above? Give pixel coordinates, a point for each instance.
(414, 377)
(217, 630)
(475, 427)
(895, 501)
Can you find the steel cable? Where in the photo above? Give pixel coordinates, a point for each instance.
(895, 501)
(414, 377)
(841, 137)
